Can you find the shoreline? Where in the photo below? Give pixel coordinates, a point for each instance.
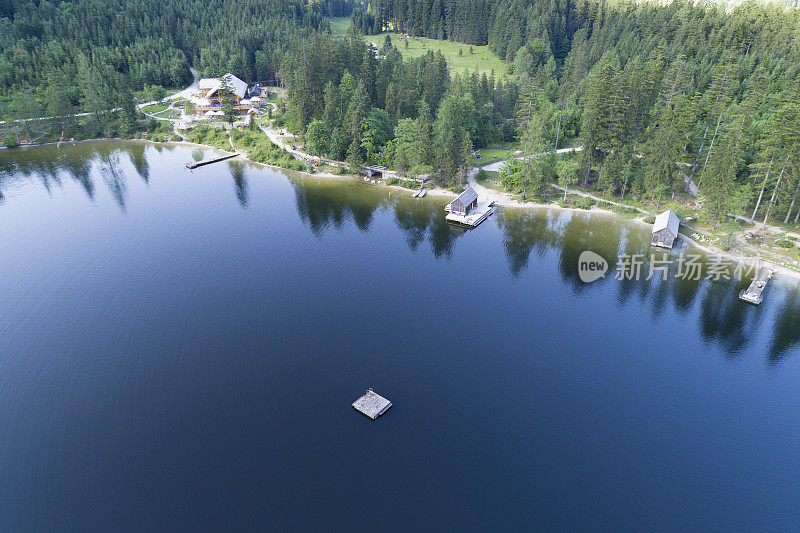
(504, 199)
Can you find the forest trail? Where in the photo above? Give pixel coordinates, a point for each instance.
(770, 228)
(182, 93)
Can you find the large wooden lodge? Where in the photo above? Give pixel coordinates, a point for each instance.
(246, 99)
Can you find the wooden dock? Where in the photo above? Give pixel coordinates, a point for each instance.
(210, 160)
(754, 293)
(420, 193)
(372, 404)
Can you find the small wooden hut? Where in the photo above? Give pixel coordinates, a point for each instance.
(464, 203)
(665, 230)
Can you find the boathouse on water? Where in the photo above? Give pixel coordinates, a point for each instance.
(665, 229)
(375, 171)
(464, 203)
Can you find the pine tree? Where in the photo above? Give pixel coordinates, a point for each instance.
(357, 110)
(331, 114)
(94, 91)
(356, 113)
(721, 192)
(425, 138)
(453, 143)
(672, 118)
(719, 97)
(600, 125)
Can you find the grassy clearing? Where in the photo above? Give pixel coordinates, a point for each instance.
(458, 55)
(490, 180)
(339, 25)
(155, 108)
(490, 155)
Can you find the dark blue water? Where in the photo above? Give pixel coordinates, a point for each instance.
(179, 351)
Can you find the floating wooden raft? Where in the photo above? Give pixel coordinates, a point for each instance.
(196, 164)
(754, 293)
(372, 404)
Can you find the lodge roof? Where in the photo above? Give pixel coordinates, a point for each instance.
(207, 83)
(236, 85)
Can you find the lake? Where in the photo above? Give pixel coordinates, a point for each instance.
(179, 350)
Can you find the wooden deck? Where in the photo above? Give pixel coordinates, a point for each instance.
(372, 404)
(474, 218)
(210, 160)
(754, 294)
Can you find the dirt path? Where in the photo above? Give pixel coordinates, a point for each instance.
(508, 199)
(772, 229)
(278, 140)
(498, 197)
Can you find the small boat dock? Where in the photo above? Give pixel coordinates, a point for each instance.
(195, 164)
(467, 211)
(474, 217)
(420, 193)
(754, 293)
(372, 404)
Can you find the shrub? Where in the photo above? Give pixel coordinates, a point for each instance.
(10, 140)
(215, 137)
(583, 202)
(260, 149)
(649, 220)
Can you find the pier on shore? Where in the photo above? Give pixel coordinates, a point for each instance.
(754, 294)
(210, 160)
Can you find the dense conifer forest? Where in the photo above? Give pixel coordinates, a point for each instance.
(658, 95)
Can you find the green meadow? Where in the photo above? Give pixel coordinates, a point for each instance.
(460, 57)
(339, 25)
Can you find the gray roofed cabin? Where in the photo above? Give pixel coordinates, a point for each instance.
(665, 229)
(464, 203)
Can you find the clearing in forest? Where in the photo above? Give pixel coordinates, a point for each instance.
(339, 25)
(458, 55)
